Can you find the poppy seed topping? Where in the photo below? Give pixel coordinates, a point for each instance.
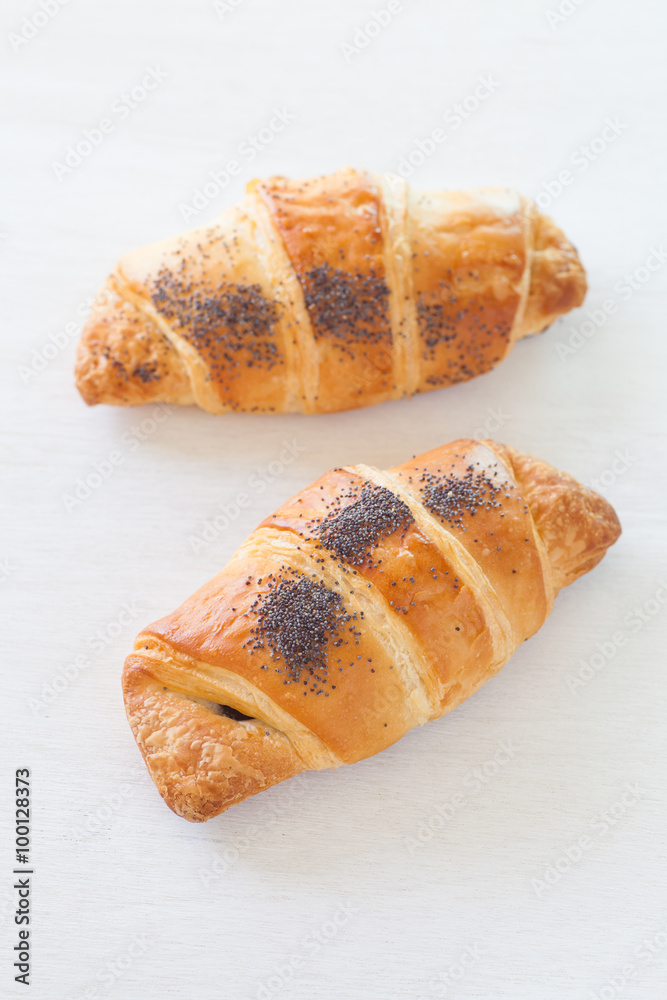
(451, 497)
(349, 307)
(353, 532)
(230, 325)
(298, 620)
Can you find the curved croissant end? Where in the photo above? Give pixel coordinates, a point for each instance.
(201, 762)
(557, 279)
(124, 358)
(576, 524)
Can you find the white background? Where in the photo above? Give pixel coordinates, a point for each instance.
(234, 908)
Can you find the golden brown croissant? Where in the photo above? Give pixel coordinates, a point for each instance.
(328, 294)
(370, 603)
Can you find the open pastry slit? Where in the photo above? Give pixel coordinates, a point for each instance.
(233, 713)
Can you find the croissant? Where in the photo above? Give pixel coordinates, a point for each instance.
(328, 294)
(368, 604)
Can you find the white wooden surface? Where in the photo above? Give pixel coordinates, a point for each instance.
(415, 874)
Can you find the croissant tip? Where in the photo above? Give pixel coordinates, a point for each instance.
(124, 359)
(86, 388)
(576, 524)
(558, 281)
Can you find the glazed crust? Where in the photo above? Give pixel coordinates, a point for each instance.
(328, 294)
(368, 604)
